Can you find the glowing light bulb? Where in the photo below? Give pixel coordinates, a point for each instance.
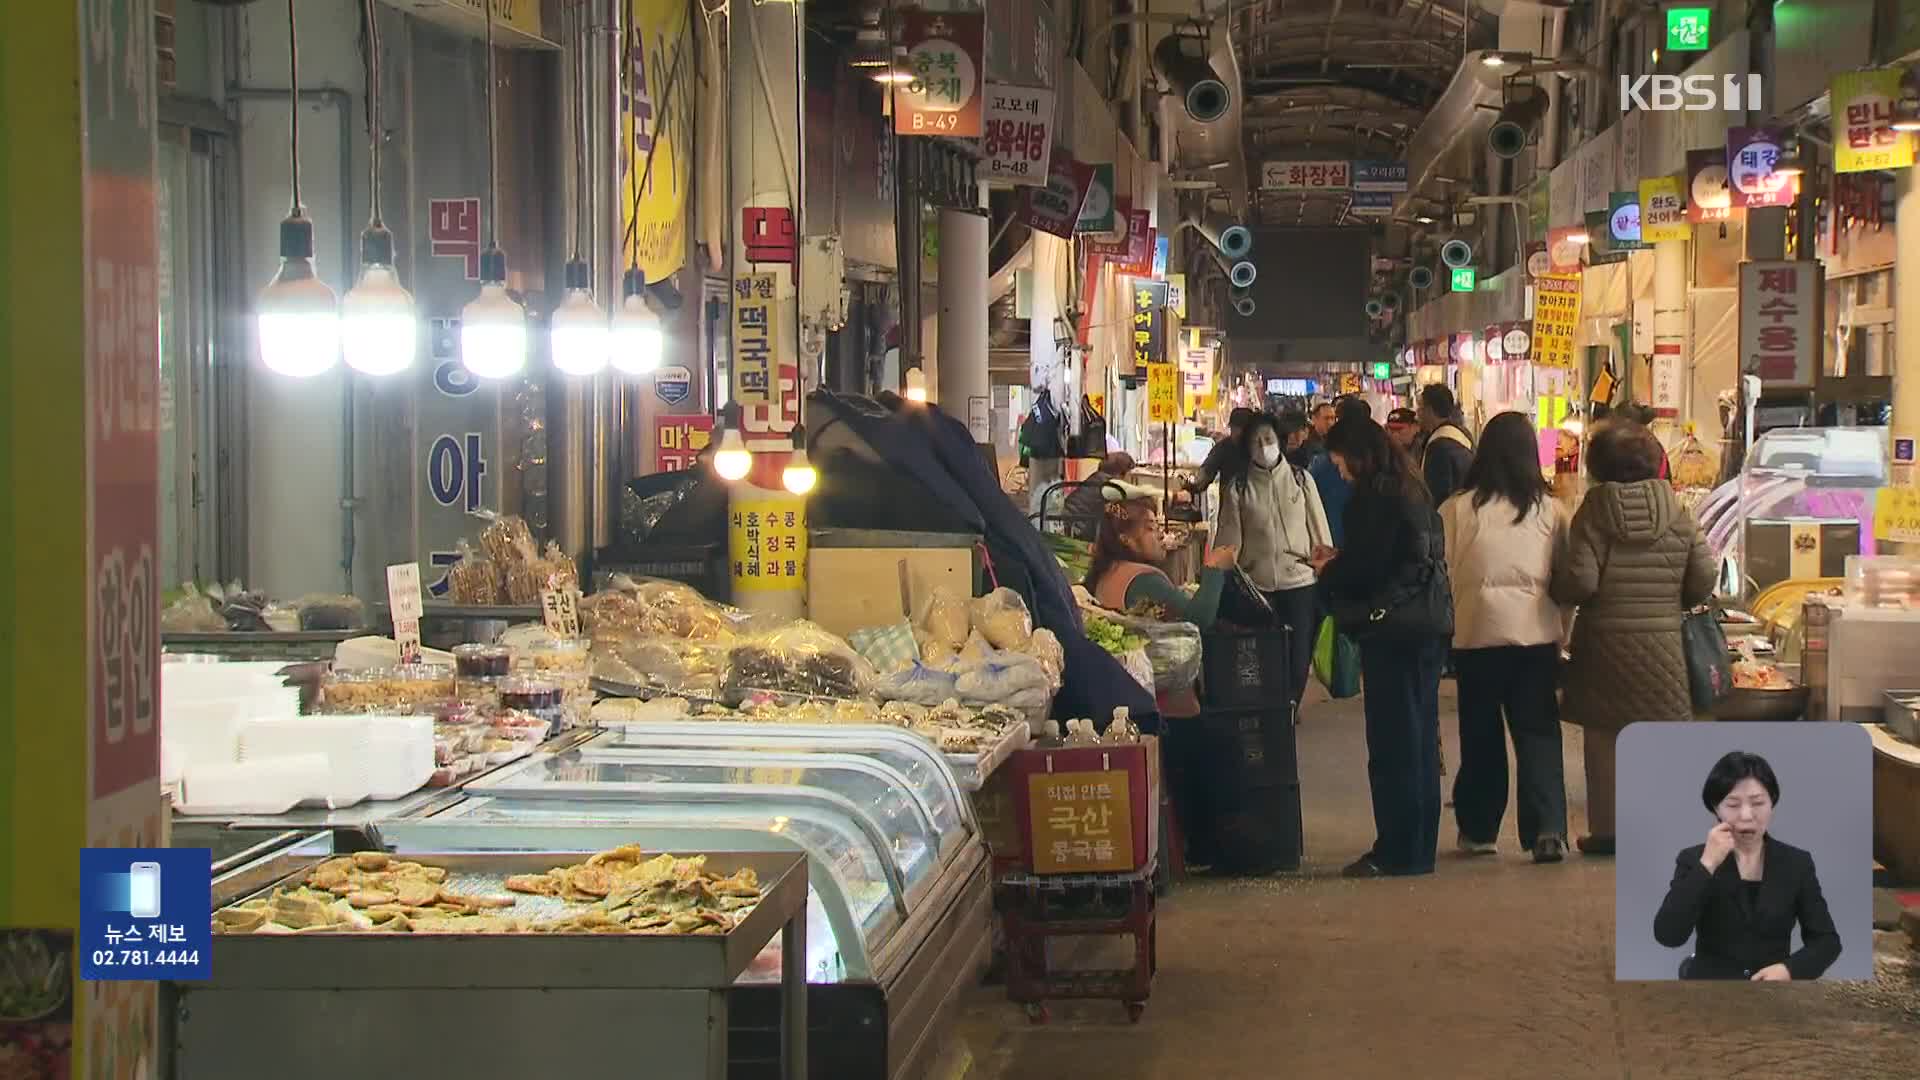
(916, 385)
(578, 328)
(638, 344)
(493, 326)
(799, 476)
(297, 315)
(733, 461)
(379, 334)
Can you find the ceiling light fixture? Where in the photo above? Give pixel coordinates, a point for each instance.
(577, 330)
(378, 331)
(493, 326)
(296, 315)
(638, 345)
(799, 477)
(916, 386)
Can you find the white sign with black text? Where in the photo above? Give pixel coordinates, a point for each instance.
(1017, 138)
(406, 605)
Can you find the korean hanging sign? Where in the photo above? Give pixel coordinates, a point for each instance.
(755, 339)
(1708, 196)
(767, 541)
(1556, 319)
(1019, 134)
(678, 440)
(1751, 153)
(1055, 207)
(944, 55)
(1863, 135)
(1779, 322)
(1149, 327)
(1663, 210)
(1305, 175)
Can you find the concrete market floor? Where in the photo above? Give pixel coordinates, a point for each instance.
(1490, 968)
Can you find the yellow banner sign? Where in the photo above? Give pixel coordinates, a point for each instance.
(1896, 515)
(657, 125)
(767, 541)
(1163, 393)
(1556, 319)
(1663, 211)
(1863, 135)
(756, 339)
(1080, 822)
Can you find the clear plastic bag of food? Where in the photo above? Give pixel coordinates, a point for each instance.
(1044, 646)
(192, 612)
(917, 684)
(1173, 648)
(799, 658)
(1003, 678)
(324, 611)
(475, 579)
(946, 619)
(648, 607)
(1002, 618)
(507, 540)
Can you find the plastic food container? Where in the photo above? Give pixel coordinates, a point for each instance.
(482, 661)
(479, 691)
(542, 698)
(407, 689)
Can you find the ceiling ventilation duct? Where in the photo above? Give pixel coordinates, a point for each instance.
(1181, 59)
(1209, 151)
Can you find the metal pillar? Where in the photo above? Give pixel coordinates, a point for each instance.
(569, 420)
(607, 471)
(964, 390)
(764, 165)
(907, 241)
(1906, 316)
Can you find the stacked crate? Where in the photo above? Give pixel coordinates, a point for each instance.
(1235, 768)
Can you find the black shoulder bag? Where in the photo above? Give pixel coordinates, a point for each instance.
(1417, 604)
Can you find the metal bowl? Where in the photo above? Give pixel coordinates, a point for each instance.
(1749, 704)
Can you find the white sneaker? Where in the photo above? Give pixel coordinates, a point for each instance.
(1477, 847)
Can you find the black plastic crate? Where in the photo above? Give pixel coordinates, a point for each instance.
(1229, 769)
(1241, 749)
(703, 566)
(1263, 835)
(1245, 670)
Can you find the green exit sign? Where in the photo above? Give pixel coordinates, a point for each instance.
(1687, 29)
(1382, 369)
(1463, 279)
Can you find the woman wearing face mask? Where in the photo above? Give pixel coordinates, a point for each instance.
(1739, 894)
(1270, 510)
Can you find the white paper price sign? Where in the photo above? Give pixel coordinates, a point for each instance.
(405, 603)
(1017, 137)
(560, 611)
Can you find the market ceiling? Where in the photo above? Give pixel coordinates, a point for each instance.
(1343, 79)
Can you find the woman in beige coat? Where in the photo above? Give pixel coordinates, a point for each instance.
(1635, 562)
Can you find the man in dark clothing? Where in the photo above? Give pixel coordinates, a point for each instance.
(1444, 450)
(1086, 502)
(1319, 421)
(1297, 440)
(1220, 459)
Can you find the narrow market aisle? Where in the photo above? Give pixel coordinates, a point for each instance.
(1492, 967)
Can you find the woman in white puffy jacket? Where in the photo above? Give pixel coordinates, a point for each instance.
(1503, 532)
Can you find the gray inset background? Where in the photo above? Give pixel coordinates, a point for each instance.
(1826, 807)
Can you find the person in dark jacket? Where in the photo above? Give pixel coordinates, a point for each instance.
(1739, 894)
(1445, 450)
(1334, 489)
(1223, 459)
(1393, 562)
(1082, 506)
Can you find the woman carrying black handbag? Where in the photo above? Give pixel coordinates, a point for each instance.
(1389, 592)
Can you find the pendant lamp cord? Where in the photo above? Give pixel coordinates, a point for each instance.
(293, 104)
(581, 218)
(493, 160)
(376, 129)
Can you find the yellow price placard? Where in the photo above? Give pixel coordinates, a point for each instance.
(1556, 319)
(1163, 393)
(1080, 822)
(1896, 515)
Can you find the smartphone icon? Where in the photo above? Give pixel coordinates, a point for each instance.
(143, 890)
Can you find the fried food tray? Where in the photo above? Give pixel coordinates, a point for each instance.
(380, 960)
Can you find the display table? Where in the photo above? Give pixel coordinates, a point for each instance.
(488, 1007)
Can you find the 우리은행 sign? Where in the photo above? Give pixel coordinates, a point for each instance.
(1779, 322)
(1018, 134)
(1863, 137)
(944, 55)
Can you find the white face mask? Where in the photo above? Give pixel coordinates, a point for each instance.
(1266, 455)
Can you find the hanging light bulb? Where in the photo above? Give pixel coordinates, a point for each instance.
(493, 325)
(733, 461)
(579, 326)
(799, 476)
(916, 385)
(298, 319)
(297, 316)
(378, 332)
(638, 345)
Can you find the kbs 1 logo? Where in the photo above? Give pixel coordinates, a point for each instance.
(1690, 93)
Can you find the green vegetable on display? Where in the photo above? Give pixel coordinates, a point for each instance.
(1112, 637)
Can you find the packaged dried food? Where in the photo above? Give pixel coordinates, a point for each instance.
(560, 654)
(1001, 617)
(918, 684)
(324, 611)
(482, 661)
(945, 619)
(507, 540)
(800, 658)
(406, 689)
(483, 692)
(644, 607)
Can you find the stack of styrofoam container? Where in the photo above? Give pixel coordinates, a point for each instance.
(201, 706)
(347, 741)
(403, 747)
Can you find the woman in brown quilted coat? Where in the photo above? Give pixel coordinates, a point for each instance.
(1635, 562)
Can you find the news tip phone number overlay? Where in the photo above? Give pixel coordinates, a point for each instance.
(146, 914)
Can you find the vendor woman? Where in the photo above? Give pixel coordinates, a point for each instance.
(1125, 575)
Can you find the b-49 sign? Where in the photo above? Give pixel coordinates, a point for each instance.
(944, 53)
(1019, 134)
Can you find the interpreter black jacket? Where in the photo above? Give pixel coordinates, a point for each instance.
(1735, 936)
